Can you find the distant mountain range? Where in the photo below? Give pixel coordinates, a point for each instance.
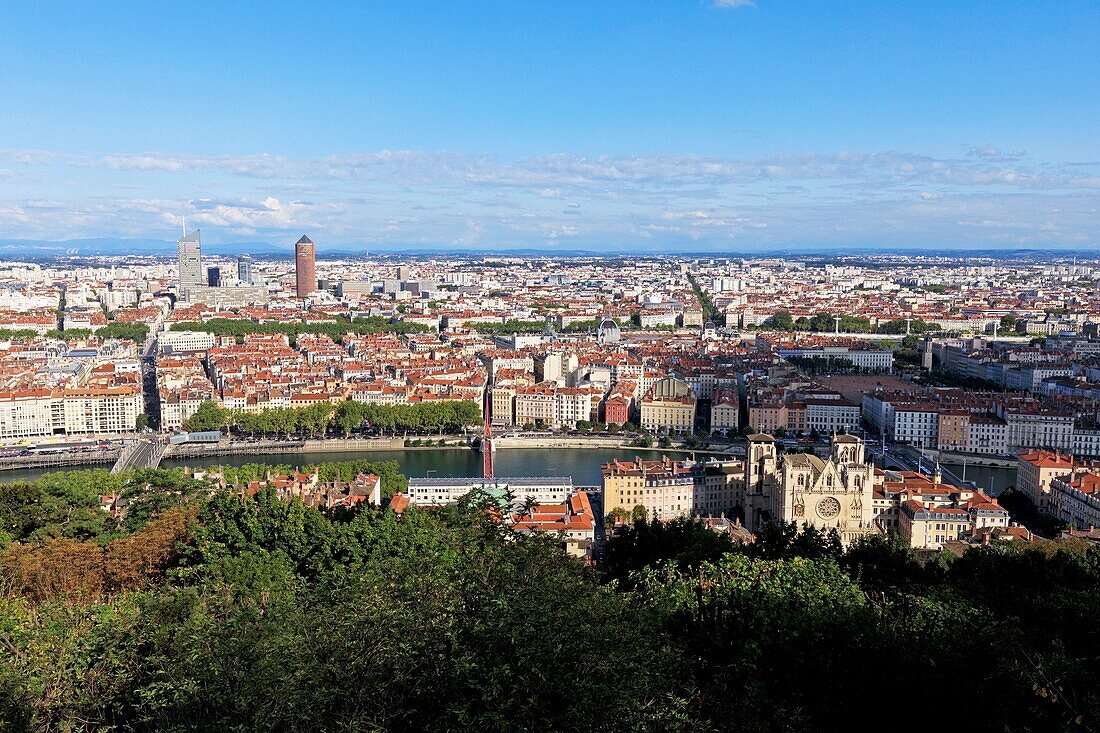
(119, 247)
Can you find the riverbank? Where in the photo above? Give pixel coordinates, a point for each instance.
(453, 442)
(970, 459)
(247, 447)
(600, 442)
(61, 460)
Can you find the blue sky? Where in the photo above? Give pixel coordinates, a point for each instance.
(674, 125)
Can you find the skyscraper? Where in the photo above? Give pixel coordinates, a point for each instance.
(244, 269)
(214, 277)
(305, 269)
(190, 262)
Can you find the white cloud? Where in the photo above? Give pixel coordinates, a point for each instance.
(985, 197)
(733, 3)
(558, 175)
(996, 153)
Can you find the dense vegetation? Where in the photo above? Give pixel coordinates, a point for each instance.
(334, 330)
(437, 416)
(393, 481)
(223, 612)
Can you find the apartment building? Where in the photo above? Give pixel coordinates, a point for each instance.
(669, 405)
(666, 489)
(1075, 498)
(87, 410)
(1034, 472)
(725, 408)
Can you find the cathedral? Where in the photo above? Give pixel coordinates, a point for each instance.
(833, 493)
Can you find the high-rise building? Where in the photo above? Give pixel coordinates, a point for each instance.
(214, 277)
(305, 269)
(244, 269)
(404, 273)
(190, 262)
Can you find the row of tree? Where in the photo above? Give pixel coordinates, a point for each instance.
(134, 331)
(17, 333)
(334, 330)
(434, 416)
(831, 365)
(509, 327)
(825, 322)
(710, 311)
(120, 330)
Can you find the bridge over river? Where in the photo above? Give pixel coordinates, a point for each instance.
(142, 453)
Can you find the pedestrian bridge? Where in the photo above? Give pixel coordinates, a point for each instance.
(142, 453)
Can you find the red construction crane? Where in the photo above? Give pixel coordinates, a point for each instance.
(487, 446)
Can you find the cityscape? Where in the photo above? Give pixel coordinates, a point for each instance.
(731, 365)
(735, 365)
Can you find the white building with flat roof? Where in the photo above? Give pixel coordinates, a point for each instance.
(441, 491)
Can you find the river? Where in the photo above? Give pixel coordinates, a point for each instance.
(582, 464)
(992, 480)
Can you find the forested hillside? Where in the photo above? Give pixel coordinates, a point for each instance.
(212, 610)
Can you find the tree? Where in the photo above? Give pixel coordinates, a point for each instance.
(208, 416)
(142, 422)
(781, 321)
(335, 329)
(192, 620)
(685, 542)
(782, 540)
(885, 562)
(349, 416)
(509, 327)
(619, 515)
(639, 513)
(132, 331)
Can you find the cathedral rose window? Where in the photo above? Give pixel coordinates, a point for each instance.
(828, 508)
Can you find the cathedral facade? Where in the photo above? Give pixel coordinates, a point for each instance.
(833, 493)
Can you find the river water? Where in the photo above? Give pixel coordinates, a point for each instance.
(992, 480)
(582, 464)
